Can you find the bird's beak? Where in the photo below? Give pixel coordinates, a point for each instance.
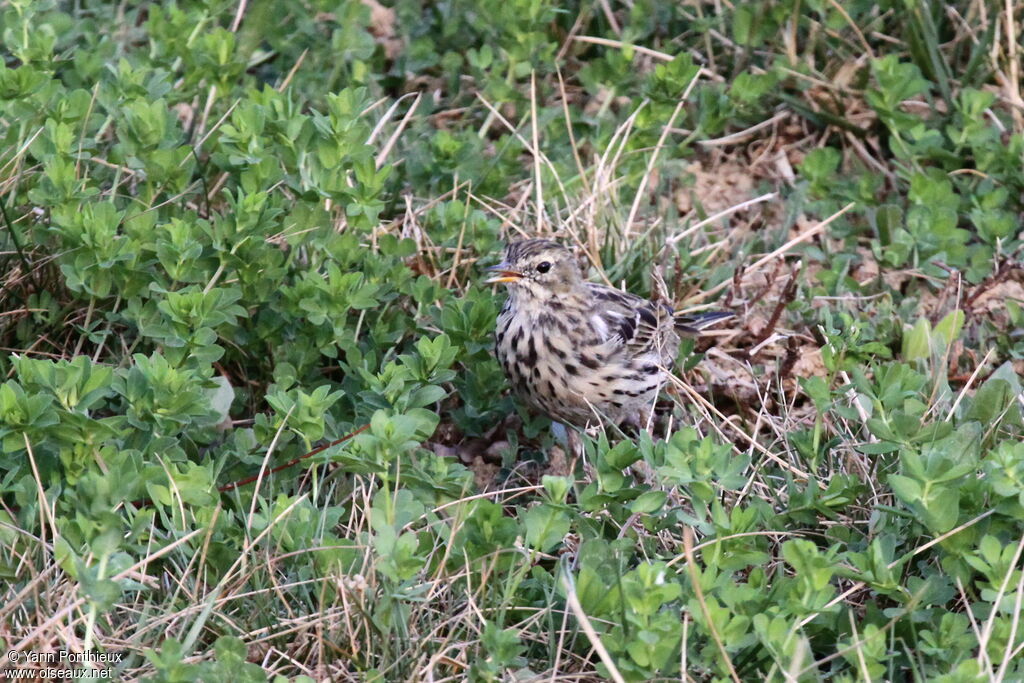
(504, 274)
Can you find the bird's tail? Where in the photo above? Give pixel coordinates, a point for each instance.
(695, 323)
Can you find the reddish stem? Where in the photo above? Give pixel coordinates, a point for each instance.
(249, 480)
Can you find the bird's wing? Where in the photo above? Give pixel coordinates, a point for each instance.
(626, 320)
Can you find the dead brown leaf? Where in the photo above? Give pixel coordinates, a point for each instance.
(716, 188)
(382, 26)
(809, 362)
(995, 298)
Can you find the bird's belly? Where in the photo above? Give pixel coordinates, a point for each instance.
(575, 379)
(619, 389)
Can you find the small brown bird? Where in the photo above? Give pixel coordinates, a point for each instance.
(578, 351)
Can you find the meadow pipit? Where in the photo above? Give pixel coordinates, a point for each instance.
(578, 351)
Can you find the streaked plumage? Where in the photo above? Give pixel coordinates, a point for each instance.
(579, 351)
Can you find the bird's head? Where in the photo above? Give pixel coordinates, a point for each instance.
(537, 267)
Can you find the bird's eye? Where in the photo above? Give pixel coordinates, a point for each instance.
(543, 267)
